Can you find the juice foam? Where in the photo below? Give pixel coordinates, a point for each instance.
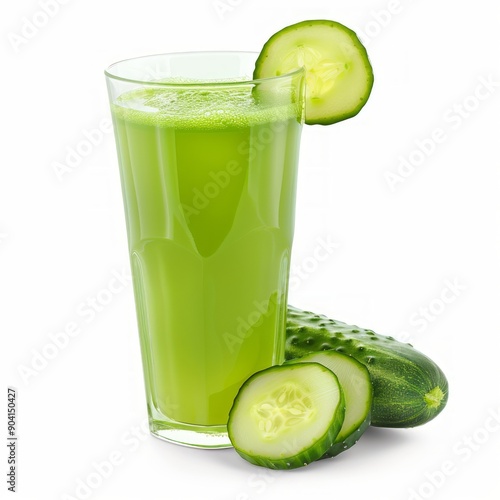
(208, 109)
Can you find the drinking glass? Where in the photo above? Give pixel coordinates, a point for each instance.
(208, 165)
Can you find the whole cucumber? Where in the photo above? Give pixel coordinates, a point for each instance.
(409, 389)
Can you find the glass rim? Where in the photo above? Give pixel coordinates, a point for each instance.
(215, 83)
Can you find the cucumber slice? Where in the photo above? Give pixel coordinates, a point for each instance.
(287, 416)
(409, 388)
(339, 76)
(356, 384)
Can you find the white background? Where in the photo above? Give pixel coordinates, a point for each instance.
(395, 251)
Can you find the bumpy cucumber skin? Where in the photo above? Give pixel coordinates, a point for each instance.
(349, 441)
(305, 457)
(356, 41)
(339, 446)
(402, 377)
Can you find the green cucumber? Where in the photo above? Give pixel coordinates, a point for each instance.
(287, 416)
(356, 384)
(409, 389)
(339, 76)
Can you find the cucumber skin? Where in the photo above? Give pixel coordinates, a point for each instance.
(349, 441)
(339, 447)
(401, 375)
(304, 457)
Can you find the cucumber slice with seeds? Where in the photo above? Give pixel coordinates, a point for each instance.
(287, 416)
(355, 381)
(339, 76)
(409, 388)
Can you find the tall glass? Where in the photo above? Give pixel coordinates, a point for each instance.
(208, 163)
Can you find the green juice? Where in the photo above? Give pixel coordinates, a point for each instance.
(208, 182)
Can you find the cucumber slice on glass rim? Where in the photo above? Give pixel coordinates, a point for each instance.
(287, 416)
(339, 76)
(357, 386)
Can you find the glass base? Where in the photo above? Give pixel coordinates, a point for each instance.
(193, 436)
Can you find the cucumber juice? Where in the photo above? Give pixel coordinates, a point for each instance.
(208, 180)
